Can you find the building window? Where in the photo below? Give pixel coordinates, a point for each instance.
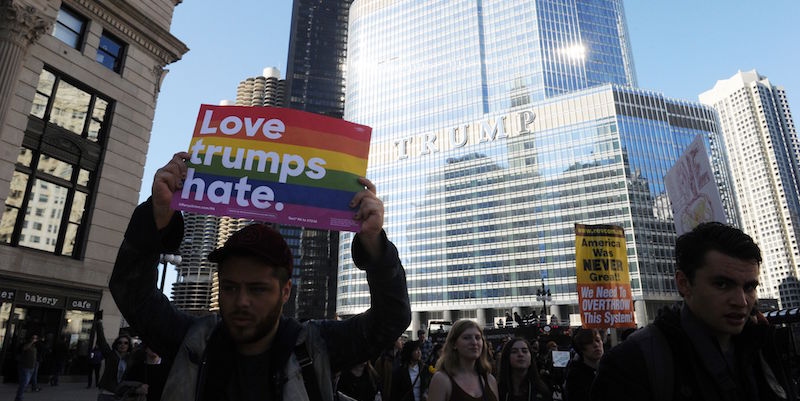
(69, 27)
(53, 179)
(110, 52)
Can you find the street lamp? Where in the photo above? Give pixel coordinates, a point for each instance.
(168, 258)
(543, 296)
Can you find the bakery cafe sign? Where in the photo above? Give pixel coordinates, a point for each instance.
(35, 298)
(481, 131)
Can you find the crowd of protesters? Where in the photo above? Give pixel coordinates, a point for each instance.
(465, 366)
(517, 369)
(712, 346)
(132, 371)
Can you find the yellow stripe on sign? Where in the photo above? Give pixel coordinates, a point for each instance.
(333, 160)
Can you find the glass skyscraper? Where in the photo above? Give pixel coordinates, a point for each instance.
(498, 125)
(315, 82)
(315, 75)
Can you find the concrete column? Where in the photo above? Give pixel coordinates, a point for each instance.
(482, 317)
(416, 323)
(20, 26)
(448, 316)
(640, 312)
(555, 310)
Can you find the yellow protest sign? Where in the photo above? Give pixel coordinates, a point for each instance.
(604, 284)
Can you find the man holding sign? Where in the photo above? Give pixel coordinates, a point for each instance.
(251, 352)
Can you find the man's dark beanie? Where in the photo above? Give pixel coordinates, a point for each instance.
(260, 241)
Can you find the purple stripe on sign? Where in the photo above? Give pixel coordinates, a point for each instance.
(295, 215)
(288, 193)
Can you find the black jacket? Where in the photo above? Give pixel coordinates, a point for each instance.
(153, 375)
(360, 388)
(108, 381)
(699, 370)
(579, 381)
(402, 385)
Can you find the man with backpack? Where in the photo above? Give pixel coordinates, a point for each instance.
(249, 351)
(707, 348)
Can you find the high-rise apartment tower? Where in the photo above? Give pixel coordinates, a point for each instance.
(761, 141)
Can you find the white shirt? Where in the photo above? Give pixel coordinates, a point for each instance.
(413, 372)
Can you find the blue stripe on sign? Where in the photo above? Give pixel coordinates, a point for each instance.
(289, 193)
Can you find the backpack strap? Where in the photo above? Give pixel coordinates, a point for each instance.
(658, 359)
(772, 380)
(405, 396)
(481, 379)
(309, 376)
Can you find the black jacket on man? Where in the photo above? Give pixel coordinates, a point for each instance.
(700, 370)
(199, 346)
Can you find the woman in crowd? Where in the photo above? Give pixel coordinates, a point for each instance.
(118, 362)
(361, 382)
(410, 380)
(463, 371)
(580, 373)
(518, 378)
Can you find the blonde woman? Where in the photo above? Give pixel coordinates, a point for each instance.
(463, 371)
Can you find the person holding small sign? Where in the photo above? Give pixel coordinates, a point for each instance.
(707, 348)
(250, 351)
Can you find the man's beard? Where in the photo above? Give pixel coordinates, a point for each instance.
(262, 328)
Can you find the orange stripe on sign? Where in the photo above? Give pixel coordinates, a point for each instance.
(325, 141)
(307, 138)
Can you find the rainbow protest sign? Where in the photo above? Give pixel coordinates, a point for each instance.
(275, 165)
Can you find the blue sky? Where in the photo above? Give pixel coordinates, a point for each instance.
(680, 47)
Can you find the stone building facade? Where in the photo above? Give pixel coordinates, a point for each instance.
(79, 81)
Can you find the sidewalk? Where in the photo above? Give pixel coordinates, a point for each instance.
(62, 392)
